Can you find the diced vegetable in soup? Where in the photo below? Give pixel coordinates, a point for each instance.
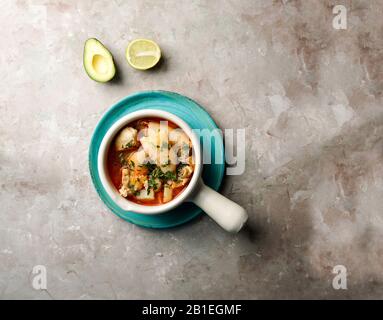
(150, 161)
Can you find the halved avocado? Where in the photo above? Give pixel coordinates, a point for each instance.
(98, 61)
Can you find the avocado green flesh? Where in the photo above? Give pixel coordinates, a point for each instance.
(98, 61)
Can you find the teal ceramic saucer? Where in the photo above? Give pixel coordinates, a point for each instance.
(188, 110)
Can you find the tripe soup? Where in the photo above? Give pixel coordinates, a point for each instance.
(150, 161)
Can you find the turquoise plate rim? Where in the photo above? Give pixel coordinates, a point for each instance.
(173, 214)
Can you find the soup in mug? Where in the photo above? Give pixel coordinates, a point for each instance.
(150, 161)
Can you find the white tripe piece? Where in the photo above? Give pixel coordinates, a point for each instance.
(178, 136)
(156, 143)
(145, 195)
(181, 144)
(126, 139)
(168, 193)
(138, 157)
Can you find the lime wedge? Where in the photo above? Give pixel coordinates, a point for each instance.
(143, 54)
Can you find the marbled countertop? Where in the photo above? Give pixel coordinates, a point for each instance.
(309, 96)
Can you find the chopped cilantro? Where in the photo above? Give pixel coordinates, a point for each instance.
(129, 144)
(169, 175)
(149, 166)
(152, 184)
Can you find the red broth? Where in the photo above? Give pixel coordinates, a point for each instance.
(115, 168)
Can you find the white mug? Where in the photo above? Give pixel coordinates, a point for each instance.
(229, 215)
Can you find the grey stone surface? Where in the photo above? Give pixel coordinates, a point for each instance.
(309, 96)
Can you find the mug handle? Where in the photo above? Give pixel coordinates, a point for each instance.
(229, 215)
